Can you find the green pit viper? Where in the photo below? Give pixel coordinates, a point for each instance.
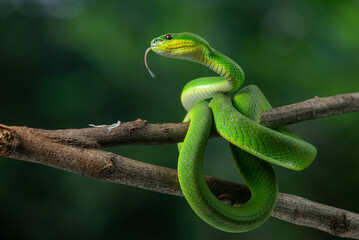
(237, 120)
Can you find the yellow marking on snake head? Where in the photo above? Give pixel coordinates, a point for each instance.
(178, 45)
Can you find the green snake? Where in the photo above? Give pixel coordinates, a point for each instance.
(237, 120)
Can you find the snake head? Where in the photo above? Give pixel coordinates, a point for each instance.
(186, 46)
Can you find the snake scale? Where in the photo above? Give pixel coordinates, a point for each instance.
(236, 119)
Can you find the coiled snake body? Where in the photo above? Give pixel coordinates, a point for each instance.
(237, 120)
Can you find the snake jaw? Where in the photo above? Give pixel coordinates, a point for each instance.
(179, 49)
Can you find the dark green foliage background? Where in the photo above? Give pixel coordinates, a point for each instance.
(65, 64)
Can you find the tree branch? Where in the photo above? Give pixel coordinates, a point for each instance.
(77, 151)
(311, 109)
(140, 132)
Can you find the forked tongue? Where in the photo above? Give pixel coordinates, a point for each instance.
(148, 69)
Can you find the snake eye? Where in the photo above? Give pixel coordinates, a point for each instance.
(168, 37)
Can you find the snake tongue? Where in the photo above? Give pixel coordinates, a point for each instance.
(148, 69)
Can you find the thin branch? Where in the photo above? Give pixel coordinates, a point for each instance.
(77, 151)
(311, 109)
(140, 132)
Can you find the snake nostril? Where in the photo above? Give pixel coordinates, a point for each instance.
(157, 41)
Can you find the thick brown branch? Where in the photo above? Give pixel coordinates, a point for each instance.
(35, 146)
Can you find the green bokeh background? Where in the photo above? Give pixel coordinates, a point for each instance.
(66, 64)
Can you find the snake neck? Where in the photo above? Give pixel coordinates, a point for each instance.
(225, 67)
(232, 77)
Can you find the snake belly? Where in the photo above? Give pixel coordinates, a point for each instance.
(236, 120)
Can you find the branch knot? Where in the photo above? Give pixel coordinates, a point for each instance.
(7, 136)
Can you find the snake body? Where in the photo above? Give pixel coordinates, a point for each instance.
(237, 120)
